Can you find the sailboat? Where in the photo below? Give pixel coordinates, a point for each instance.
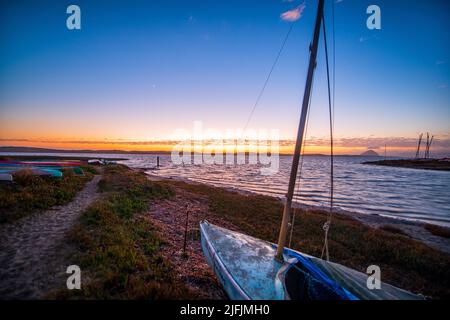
(254, 269)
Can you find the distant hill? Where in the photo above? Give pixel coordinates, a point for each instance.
(13, 149)
(370, 153)
(44, 150)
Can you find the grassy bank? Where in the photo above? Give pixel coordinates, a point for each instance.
(31, 193)
(118, 248)
(404, 262)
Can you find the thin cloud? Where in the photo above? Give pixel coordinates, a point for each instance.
(443, 86)
(192, 19)
(294, 14)
(362, 39)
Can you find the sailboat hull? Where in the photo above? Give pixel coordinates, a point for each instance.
(247, 270)
(245, 266)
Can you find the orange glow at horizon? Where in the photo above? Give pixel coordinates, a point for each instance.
(168, 147)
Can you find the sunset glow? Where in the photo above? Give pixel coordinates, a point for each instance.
(129, 79)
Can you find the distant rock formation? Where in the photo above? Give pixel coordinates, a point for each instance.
(370, 153)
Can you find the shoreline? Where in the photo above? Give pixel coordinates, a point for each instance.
(297, 205)
(152, 235)
(414, 229)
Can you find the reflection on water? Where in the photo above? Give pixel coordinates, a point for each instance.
(397, 192)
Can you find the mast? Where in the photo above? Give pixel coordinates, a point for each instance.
(429, 146)
(418, 147)
(301, 130)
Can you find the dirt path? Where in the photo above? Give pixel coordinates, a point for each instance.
(32, 251)
(169, 215)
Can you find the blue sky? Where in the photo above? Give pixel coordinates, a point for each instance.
(139, 70)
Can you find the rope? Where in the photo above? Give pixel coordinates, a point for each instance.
(283, 44)
(268, 77)
(326, 226)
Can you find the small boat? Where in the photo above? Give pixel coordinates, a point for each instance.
(41, 163)
(47, 172)
(36, 171)
(247, 270)
(96, 162)
(41, 168)
(250, 268)
(6, 177)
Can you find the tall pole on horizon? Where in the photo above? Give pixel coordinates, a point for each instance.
(287, 217)
(418, 146)
(429, 147)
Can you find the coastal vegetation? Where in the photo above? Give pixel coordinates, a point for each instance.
(118, 246)
(32, 193)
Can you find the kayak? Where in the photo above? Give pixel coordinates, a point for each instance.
(36, 171)
(41, 163)
(247, 269)
(6, 177)
(14, 168)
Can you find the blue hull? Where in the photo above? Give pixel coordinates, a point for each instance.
(247, 269)
(246, 266)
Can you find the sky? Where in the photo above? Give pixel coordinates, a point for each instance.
(139, 71)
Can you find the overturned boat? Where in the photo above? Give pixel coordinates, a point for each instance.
(247, 269)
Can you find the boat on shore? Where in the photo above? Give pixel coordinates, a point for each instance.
(254, 269)
(247, 270)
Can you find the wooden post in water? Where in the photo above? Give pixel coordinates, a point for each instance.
(287, 216)
(157, 161)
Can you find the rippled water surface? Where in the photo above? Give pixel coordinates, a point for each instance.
(398, 192)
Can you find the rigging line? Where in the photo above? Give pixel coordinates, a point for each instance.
(268, 76)
(267, 79)
(327, 224)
